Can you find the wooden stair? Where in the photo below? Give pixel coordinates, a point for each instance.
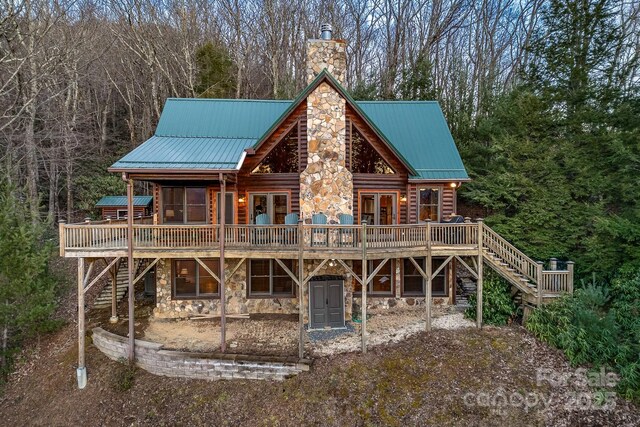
(122, 285)
(526, 275)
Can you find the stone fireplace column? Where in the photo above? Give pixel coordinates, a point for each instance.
(326, 185)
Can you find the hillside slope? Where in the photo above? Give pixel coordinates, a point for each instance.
(435, 378)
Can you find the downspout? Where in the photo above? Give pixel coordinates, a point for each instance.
(223, 214)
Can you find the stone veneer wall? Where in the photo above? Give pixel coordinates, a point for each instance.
(235, 294)
(326, 185)
(152, 358)
(238, 303)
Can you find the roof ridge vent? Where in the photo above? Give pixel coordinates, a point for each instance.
(327, 32)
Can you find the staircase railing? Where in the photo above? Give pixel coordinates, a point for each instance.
(511, 255)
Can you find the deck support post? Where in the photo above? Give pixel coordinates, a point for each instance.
(570, 265)
(427, 296)
(365, 287)
(130, 267)
(539, 266)
(114, 293)
(300, 290)
(81, 372)
(223, 301)
(479, 272)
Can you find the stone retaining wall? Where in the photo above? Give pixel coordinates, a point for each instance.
(152, 358)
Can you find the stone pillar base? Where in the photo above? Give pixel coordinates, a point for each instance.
(113, 319)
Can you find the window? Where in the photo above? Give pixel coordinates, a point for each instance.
(121, 213)
(191, 280)
(182, 205)
(364, 158)
(413, 283)
(429, 204)
(382, 283)
(229, 217)
(268, 278)
(283, 158)
(275, 205)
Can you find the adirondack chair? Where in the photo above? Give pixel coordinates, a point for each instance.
(290, 234)
(261, 235)
(319, 236)
(346, 234)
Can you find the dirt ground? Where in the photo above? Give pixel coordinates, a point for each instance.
(444, 377)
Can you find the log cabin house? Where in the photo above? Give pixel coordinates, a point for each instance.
(323, 206)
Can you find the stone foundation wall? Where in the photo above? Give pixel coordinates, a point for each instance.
(152, 358)
(238, 303)
(235, 295)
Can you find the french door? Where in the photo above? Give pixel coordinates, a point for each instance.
(276, 205)
(378, 208)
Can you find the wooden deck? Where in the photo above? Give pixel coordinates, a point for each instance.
(104, 240)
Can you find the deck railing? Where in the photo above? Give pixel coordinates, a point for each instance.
(557, 281)
(106, 236)
(517, 260)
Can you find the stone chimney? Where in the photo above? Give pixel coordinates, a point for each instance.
(326, 53)
(326, 185)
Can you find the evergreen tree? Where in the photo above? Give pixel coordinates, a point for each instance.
(215, 72)
(27, 293)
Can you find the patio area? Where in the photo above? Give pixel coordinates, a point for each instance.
(277, 335)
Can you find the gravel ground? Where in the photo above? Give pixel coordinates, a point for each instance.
(277, 335)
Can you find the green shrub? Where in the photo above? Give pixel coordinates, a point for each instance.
(598, 326)
(498, 307)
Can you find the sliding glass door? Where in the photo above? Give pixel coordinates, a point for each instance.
(275, 205)
(378, 208)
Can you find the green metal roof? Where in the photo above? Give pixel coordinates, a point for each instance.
(420, 132)
(212, 134)
(203, 134)
(122, 201)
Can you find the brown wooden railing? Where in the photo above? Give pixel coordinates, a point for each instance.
(515, 258)
(557, 281)
(89, 236)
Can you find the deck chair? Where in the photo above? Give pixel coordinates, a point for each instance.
(290, 236)
(319, 236)
(261, 235)
(346, 234)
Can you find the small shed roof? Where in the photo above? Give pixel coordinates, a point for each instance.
(120, 201)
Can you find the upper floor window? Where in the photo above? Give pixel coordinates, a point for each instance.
(283, 158)
(364, 158)
(181, 205)
(429, 204)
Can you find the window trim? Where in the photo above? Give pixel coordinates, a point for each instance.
(271, 294)
(207, 204)
(445, 272)
(124, 215)
(440, 189)
(234, 204)
(174, 276)
(391, 293)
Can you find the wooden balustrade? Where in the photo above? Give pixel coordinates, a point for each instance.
(454, 234)
(556, 281)
(515, 259)
(105, 236)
